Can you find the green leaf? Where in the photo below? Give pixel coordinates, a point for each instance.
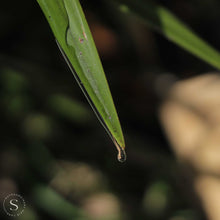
(163, 21)
(75, 41)
(55, 205)
(69, 108)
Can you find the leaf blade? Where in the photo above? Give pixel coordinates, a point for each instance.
(72, 32)
(163, 21)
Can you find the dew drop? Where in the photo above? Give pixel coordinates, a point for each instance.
(121, 155)
(121, 152)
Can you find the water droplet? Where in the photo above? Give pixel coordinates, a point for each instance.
(121, 152)
(121, 155)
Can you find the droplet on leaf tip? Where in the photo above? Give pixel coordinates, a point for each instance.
(121, 152)
(121, 155)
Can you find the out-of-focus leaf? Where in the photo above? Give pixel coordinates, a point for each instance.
(162, 20)
(72, 33)
(53, 204)
(68, 108)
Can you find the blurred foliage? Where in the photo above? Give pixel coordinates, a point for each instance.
(163, 21)
(49, 136)
(72, 110)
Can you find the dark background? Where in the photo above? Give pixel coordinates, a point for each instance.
(46, 124)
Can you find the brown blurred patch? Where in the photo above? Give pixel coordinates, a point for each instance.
(190, 116)
(102, 206)
(7, 186)
(77, 180)
(105, 39)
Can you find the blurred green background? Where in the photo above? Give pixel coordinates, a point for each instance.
(54, 152)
